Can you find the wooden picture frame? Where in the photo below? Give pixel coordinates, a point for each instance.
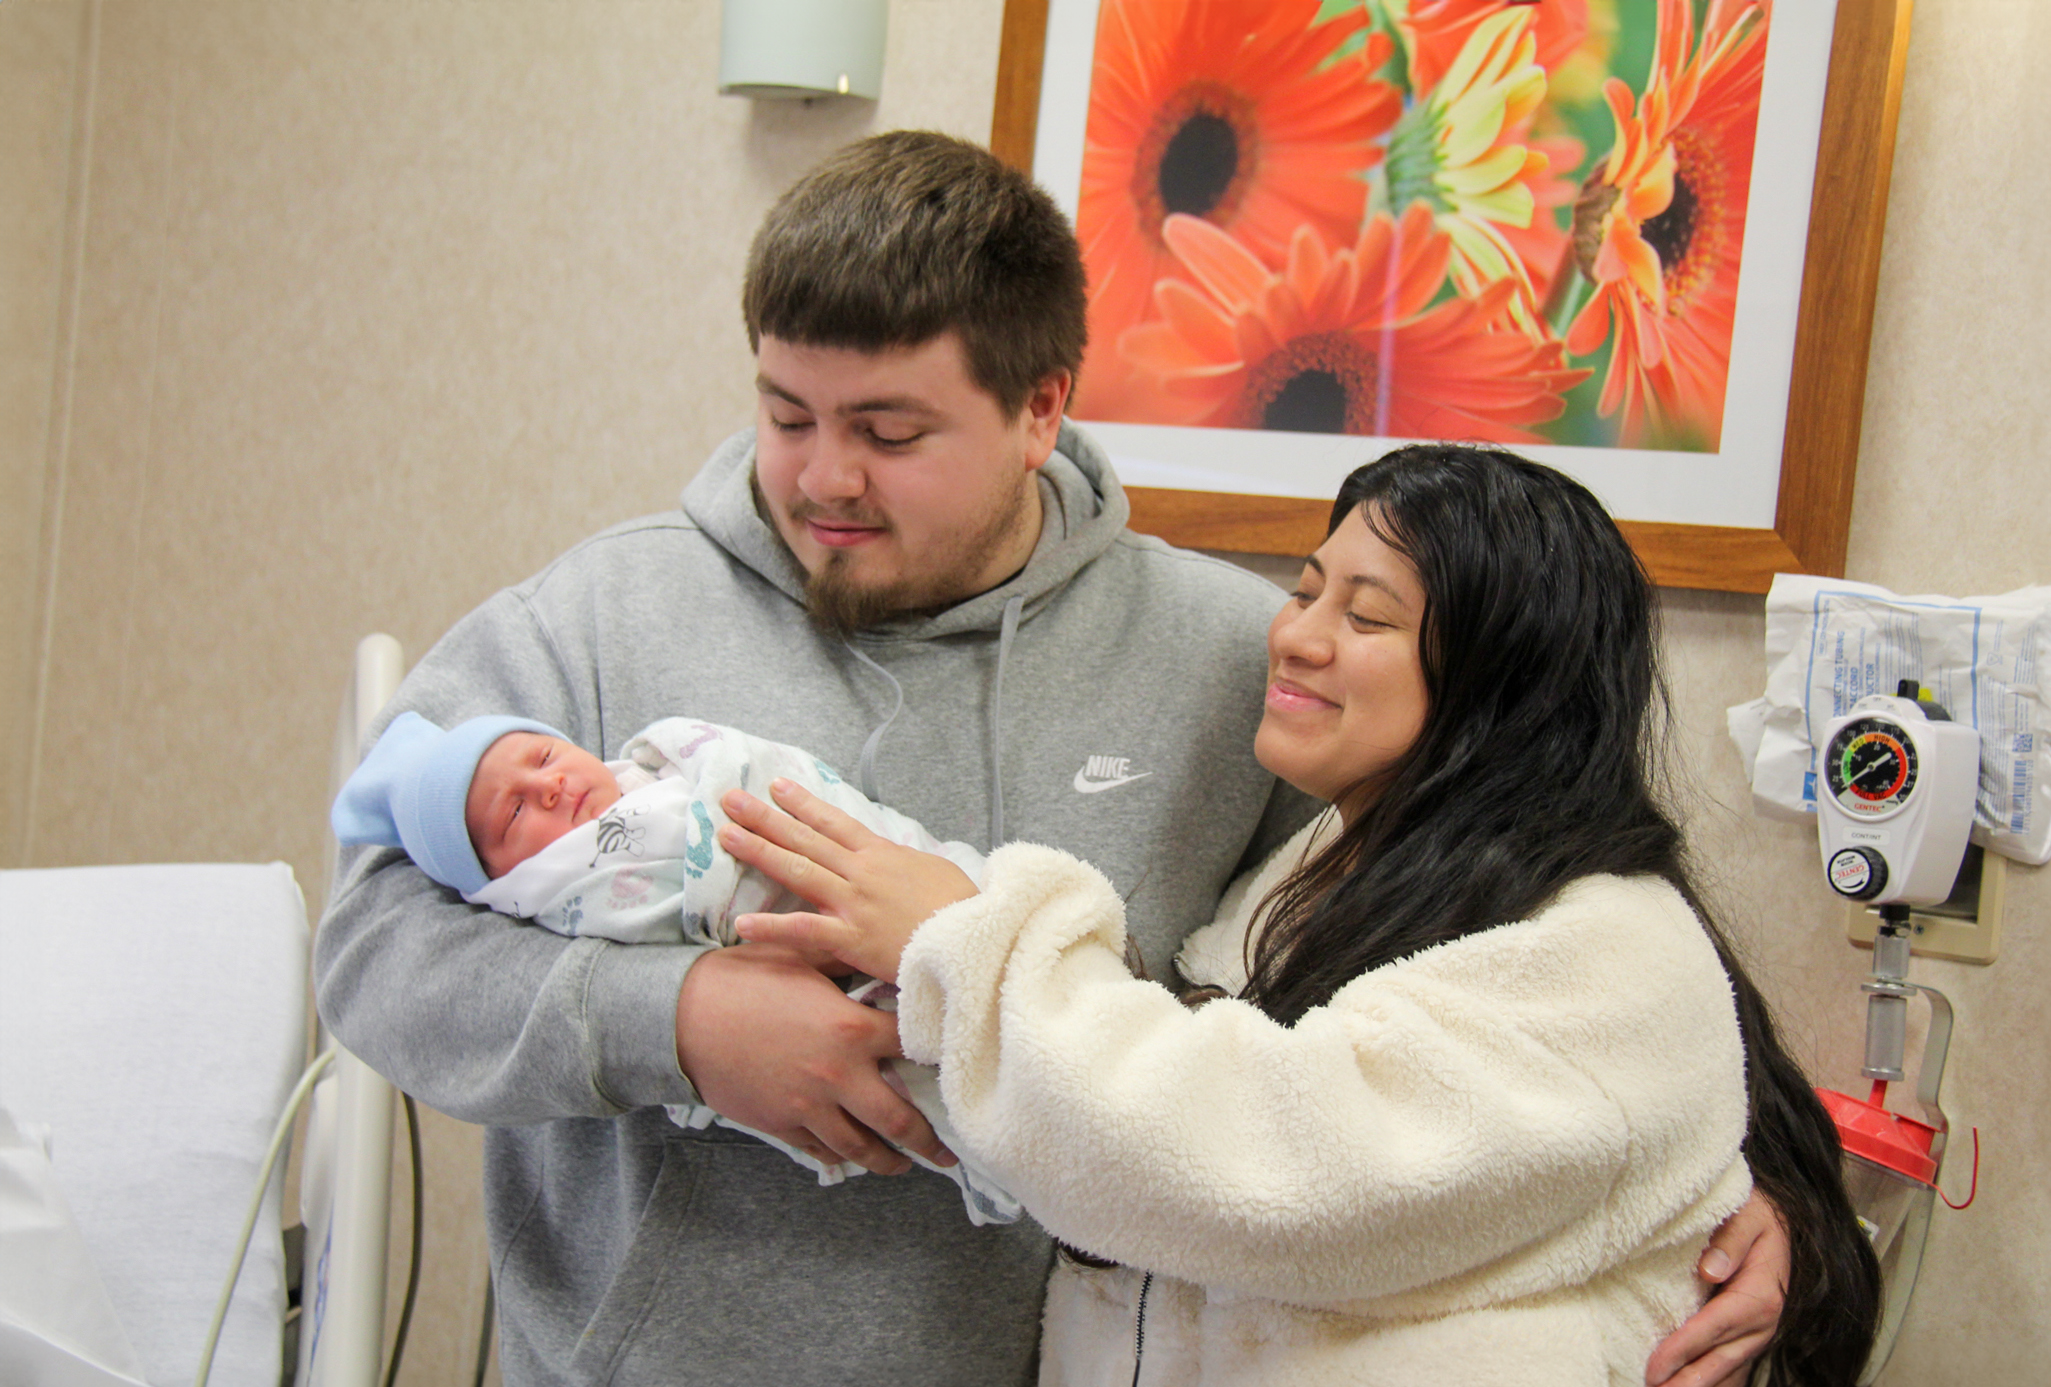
(1826, 392)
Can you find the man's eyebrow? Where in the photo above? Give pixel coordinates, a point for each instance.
(881, 404)
(766, 386)
(890, 404)
(1360, 580)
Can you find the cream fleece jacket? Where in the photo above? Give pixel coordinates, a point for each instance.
(1494, 1161)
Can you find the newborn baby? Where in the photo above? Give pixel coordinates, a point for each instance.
(516, 817)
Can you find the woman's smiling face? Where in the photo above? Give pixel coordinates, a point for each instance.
(1346, 692)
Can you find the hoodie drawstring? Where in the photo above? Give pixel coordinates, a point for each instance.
(865, 770)
(1006, 630)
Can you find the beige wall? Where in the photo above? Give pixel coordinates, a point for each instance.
(1954, 496)
(40, 98)
(379, 304)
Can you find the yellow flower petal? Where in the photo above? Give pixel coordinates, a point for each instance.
(1483, 175)
(1482, 46)
(1653, 192)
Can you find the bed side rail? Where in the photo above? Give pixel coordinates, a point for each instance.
(346, 1180)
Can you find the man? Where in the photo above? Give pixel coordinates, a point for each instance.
(916, 569)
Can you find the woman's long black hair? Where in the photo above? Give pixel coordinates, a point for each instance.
(1538, 764)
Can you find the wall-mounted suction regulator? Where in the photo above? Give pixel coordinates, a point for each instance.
(1896, 803)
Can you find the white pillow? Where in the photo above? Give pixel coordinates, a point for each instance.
(154, 1017)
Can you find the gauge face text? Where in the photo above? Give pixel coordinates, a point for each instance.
(1870, 766)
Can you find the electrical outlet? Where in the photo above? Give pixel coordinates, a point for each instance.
(1966, 928)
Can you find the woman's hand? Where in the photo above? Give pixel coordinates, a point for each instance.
(1746, 1266)
(874, 893)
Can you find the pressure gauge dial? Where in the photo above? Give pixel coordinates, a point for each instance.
(1894, 800)
(1870, 767)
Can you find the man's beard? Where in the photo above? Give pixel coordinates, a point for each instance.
(843, 606)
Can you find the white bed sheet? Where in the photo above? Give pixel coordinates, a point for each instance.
(154, 1017)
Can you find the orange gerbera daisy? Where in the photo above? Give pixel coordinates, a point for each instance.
(1660, 225)
(1247, 118)
(1339, 341)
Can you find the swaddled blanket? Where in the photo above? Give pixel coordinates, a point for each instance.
(650, 871)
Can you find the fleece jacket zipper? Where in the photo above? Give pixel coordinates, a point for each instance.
(1139, 1336)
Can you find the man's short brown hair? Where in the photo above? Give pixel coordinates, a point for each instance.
(902, 236)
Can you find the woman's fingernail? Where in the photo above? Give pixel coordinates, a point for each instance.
(1716, 1264)
(780, 786)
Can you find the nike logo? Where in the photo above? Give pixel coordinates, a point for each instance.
(1101, 773)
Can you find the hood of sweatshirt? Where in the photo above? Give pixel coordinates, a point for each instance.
(1083, 511)
(1083, 506)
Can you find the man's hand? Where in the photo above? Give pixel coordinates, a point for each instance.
(875, 893)
(1746, 1266)
(772, 1044)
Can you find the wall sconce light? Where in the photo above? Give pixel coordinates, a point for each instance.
(801, 48)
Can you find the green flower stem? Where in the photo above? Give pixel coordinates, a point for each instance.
(1571, 303)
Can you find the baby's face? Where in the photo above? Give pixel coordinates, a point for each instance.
(529, 790)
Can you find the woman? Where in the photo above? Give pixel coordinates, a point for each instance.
(1477, 1087)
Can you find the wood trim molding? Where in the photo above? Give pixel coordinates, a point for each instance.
(1677, 556)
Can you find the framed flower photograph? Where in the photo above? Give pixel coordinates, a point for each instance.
(1635, 239)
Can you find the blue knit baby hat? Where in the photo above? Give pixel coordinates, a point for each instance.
(410, 791)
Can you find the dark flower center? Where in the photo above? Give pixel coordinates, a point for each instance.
(1326, 383)
(1197, 157)
(1702, 228)
(1309, 402)
(1692, 237)
(1673, 231)
(1199, 164)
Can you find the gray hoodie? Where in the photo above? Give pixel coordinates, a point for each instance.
(1103, 701)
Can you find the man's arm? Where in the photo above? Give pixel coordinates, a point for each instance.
(494, 1020)
(479, 1015)
(486, 1018)
(812, 1076)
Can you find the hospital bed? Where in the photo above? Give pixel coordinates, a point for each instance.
(153, 1035)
